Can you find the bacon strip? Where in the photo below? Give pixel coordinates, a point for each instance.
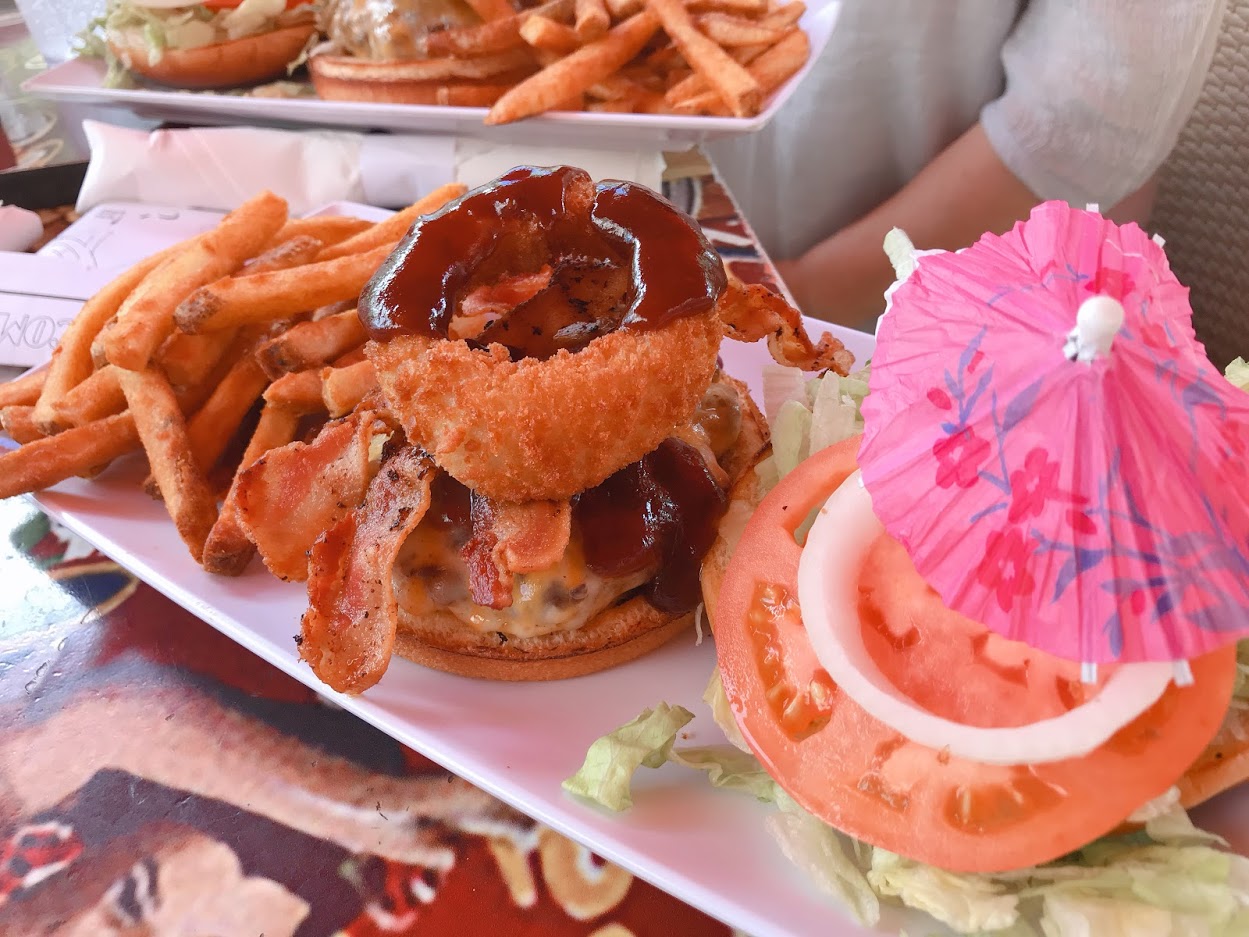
(349, 628)
(289, 496)
(513, 538)
(753, 312)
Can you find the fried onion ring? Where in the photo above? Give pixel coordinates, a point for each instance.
(533, 430)
(608, 350)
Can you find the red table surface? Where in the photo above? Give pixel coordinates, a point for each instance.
(155, 778)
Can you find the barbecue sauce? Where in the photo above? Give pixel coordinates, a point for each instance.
(674, 271)
(663, 511)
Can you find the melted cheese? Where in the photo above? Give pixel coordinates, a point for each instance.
(432, 576)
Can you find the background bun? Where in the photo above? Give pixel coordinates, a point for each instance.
(249, 61)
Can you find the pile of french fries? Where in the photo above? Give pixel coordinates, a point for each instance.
(695, 57)
(715, 57)
(177, 355)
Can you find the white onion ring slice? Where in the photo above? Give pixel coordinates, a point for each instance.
(828, 581)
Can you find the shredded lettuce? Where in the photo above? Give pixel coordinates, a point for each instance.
(607, 773)
(811, 416)
(1238, 373)
(188, 27)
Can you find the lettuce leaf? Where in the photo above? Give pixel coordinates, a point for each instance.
(607, 773)
(1238, 373)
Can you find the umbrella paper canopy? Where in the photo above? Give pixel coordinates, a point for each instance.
(1095, 508)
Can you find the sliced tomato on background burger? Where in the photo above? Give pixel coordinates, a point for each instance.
(874, 783)
(217, 44)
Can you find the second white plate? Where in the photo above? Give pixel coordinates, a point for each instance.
(82, 80)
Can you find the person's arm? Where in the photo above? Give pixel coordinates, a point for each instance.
(966, 191)
(1096, 94)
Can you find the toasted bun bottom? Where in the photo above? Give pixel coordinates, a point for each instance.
(615, 636)
(248, 61)
(334, 82)
(433, 81)
(1222, 766)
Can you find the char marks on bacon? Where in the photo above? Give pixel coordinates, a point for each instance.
(349, 628)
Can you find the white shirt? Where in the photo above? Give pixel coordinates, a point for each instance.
(1082, 99)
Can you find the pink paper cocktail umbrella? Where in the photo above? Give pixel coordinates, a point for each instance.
(1046, 437)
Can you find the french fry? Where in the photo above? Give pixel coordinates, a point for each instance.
(25, 390)
(311, 344)
(267, 297)
(493, 36)
(94, 399)
(333, 309)
(728, 6)
(736, 86)
(99, 358)
(74, 357)
(299, 393)
(295, 252)
(343, 388)
(162, 430)
(590, 19)
(572, 75)
(615, 88)
(228, 549)
(328, 229)
(146, 317)
(188, 360)
(210, 430)
(644, 102)
(546, 34)
(18, 421)
(736, 31)
(396, 226)
(355, 356)
(784, 16)
(771, 70)
(52, 459)
(622, 9)
(490, 10)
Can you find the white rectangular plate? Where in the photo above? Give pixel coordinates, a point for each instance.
(517, 741)
(82, 80)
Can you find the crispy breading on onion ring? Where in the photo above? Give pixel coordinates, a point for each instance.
(534, 430)
(753, 312)
(349, 628)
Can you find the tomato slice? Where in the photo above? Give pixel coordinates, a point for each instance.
(876, 785)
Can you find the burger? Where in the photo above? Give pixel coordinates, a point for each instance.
(213, 45)
(416, 52)
(549, 450)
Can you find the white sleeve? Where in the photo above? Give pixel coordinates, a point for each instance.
(1097, 92)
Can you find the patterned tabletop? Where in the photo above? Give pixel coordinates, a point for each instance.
(157, 779)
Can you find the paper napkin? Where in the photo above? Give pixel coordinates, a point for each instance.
(217, 168)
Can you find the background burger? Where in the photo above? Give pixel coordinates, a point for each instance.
(217, 44)
(419, 51)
